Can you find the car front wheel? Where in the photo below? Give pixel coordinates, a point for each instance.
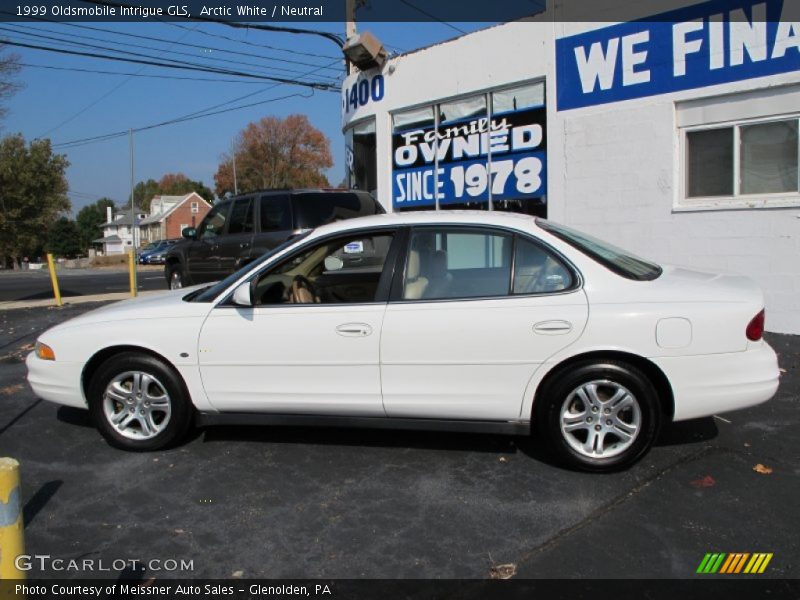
(599, 416)
(138, 403)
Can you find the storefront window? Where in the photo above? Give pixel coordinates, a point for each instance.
(361, 157)
(524, 96)
(468, 108)
(411, 119)
(480, 152)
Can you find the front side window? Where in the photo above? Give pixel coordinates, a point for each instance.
(457, 264)
(344, 270)
(214, 223)
(241, 217)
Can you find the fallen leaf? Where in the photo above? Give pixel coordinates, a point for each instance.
(503, 459)
(11, 389)
(764, 470)
(506, 571)
(179, 531)
(703, 482)
(237, 574)
(746, 444)
(782, 370)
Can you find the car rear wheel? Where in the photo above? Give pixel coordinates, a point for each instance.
(138, 403)
(175, 277)
(599, 416)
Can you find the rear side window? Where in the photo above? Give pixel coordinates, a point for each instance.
(318, 208)
(619, 261)
(537, 271)
(241, 217)
(276, 213)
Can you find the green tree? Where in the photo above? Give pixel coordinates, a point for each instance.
(64, 239)
(33, 194)
(276, 153)
(171, 184)
(90, 218)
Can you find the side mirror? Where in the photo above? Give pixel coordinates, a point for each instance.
(243, 295)
(190, 233)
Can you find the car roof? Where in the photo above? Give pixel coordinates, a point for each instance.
(433, 217)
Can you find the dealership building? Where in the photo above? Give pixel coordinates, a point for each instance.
(674, 135)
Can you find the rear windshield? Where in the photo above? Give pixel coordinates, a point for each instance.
(318, 208)
(616, 259)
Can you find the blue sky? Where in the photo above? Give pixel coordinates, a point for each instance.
(51, 97)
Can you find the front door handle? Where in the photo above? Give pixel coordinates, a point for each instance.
(552, 327)
(244, 245)
(354, 330)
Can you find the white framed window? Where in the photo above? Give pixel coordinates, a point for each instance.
(740, 151)
(195, 208)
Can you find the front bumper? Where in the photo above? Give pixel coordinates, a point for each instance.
(717, 383)
(56, 381)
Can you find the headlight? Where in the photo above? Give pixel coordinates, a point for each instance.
(44, 351)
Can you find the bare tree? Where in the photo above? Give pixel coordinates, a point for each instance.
(9, 67)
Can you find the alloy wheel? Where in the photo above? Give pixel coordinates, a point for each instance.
(137, 405)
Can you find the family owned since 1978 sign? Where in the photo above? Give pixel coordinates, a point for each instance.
(463, 160)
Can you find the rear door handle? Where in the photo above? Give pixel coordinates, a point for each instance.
(354, 330)
(552, 327)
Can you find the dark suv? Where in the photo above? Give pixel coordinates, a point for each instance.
(240, 229)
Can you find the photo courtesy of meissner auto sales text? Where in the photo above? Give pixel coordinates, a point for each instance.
(354, 300)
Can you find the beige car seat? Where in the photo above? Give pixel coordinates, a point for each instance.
(414, 285)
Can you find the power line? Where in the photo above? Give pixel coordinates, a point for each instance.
(274, 28)
(248, 42)
(161, 40)
(183, 66)
(61, 40)
(430, 16)
(118, 134)
(95, 102)
(137, 74)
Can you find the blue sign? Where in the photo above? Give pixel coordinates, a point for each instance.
(705, 44)
(462, 161)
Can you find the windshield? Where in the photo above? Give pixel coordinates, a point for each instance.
(616, 259)
(208, 294)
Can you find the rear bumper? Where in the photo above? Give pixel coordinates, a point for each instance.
(55, 381)
(717, 383)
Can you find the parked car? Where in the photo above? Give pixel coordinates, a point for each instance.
(468, 321)
(239, 230)
(155, 253)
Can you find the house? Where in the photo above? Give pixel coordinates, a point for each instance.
(120, 232)
(170, 215)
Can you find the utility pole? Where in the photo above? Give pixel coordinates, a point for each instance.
(235, 182)
(350, 26)
(134, 283)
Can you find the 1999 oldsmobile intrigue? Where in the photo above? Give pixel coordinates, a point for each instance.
(480, 321)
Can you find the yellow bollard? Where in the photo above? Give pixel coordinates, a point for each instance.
(53, 279)
(12, 543)
(132, 271)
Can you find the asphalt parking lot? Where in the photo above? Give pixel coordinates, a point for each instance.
(35, 284)
(309, 503)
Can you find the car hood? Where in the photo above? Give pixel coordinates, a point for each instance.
(166, 304)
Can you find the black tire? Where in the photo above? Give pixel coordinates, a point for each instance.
(176, 278)
(181, 409)
(561, 396)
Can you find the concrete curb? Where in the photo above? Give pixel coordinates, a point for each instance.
(50, 302)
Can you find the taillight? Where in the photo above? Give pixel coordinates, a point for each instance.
(755, 328)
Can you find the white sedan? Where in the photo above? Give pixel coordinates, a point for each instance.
(471, 321)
